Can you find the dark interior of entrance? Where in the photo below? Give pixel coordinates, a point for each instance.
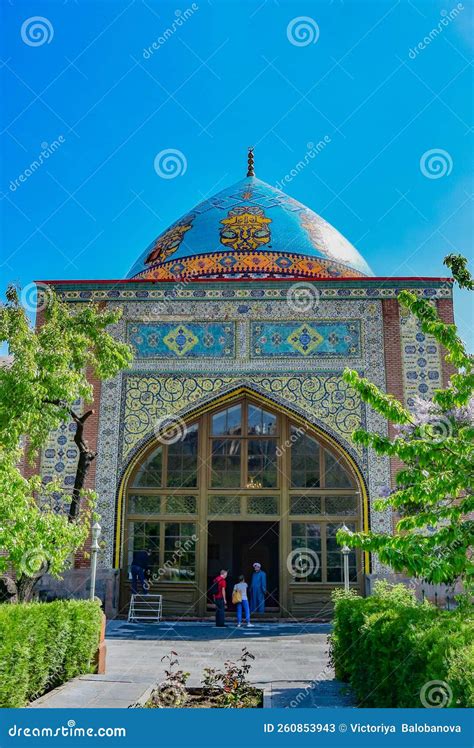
(236, 546)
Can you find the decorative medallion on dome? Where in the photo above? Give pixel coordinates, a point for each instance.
(245, 228)
(168, 243)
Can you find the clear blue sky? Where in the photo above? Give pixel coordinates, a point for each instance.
(226, 78)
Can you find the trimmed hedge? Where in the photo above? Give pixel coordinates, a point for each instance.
(43, 645)
(388, 647)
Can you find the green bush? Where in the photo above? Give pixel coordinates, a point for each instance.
(43, 645)
(388, 647)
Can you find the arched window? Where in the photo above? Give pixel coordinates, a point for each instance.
(242, 462)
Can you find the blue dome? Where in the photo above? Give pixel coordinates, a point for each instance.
(250, 230)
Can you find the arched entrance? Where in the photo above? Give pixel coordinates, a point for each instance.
(242, 482)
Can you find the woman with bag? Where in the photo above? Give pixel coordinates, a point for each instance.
(240, 599)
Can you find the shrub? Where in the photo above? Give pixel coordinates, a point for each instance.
(388, 647)
(43, 645)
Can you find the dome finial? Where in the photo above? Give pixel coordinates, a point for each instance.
(250, 169)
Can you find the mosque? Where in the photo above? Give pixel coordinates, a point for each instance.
(228, 440)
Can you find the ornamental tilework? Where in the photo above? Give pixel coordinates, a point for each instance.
(149, 401)
(59, 461)
(245, 264)
(183, 339)
(328, 289)
(421, 359)
(304, 386)
(319, 338)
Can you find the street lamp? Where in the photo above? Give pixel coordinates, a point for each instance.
(96, 530)
(345, 550)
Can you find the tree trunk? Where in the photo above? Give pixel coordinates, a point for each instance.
(86, 456)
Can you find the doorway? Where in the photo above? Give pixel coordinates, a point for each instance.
(237, 545)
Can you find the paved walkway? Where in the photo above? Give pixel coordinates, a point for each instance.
(291, 662)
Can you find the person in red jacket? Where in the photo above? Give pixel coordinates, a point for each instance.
(220, 597)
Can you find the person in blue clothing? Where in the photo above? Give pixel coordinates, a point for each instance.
(258, 589)
(140, 563)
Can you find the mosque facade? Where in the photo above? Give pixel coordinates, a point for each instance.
(228, 440)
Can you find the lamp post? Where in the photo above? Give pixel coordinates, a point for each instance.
(345, 550)
(96, 530)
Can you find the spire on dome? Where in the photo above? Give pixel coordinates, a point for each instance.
(250, 166)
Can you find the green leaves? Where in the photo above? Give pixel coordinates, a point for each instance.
(46, 376)
(433, 492)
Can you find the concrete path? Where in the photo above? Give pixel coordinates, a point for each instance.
(291, 662)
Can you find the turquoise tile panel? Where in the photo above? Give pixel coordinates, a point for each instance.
(182, 339)
(297, 339)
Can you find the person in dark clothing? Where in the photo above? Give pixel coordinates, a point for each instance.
(140, 563)
(220, 598)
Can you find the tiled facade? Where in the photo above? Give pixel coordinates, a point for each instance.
(225, 336)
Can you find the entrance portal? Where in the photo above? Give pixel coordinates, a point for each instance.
(236, 546)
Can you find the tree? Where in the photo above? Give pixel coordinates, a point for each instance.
(46, 376)
(433, 498)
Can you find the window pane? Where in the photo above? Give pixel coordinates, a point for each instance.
(261, 422)
(180, 552)
(225, 463)
(262, 463)
(335, 475)
(262, 505)
(341, 505)
(180, 504)
(144, 536)
(149, 474)
(138, 504)
(305, 459)
(228, 422)
(305, 505)
(224, 504)
(306, 552)
(334, 555)
(182, 460)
